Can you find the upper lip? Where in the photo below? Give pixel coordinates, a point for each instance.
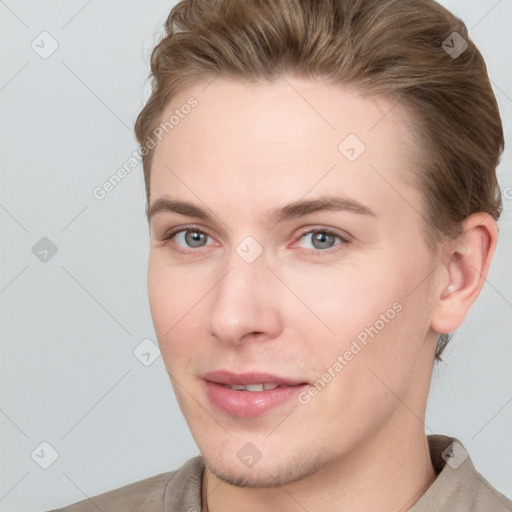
(243, 379)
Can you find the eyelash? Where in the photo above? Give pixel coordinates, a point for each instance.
(329, 232)
(343, 241)
(171, 234)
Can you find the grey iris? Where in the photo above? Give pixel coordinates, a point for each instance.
(322, 240)
(195, 239)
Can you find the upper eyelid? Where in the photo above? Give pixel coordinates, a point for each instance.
(322, 230)
(341, 234)
(179, 229)
(333, 231)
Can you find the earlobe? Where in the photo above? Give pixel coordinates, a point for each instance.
(464, 263)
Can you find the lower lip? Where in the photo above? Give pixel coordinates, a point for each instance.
(249, 404)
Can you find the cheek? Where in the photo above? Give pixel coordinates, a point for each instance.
(369, 359)
(174, 296)
(343, 300)
(162, 300)
(364, 312)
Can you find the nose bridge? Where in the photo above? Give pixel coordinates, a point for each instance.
(243, 302)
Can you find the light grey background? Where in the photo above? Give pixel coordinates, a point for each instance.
(70, 325)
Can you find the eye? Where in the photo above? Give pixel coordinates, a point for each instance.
(320, 239)
(189, 238)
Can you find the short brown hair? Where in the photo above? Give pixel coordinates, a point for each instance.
(396, 48)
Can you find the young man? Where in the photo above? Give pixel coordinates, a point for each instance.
(322, 201)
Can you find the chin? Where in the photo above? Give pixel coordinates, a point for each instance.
(264, 473)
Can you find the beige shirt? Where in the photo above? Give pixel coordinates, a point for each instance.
(457, 488)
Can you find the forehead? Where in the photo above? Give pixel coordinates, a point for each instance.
(287, 138)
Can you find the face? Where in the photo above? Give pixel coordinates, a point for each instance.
(289, 280)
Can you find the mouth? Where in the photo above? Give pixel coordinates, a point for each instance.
(253, 387)
(251, 394)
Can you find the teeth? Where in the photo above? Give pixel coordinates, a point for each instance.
(252, 387)
(236, 387)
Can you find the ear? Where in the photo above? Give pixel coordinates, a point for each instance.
(465, 264)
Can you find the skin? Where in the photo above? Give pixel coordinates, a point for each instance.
(246, 149)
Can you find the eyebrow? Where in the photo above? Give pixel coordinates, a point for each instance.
(290, 211)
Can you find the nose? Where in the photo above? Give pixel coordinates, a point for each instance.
(244, 304)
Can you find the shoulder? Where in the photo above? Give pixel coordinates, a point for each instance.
(145, 494)
(482, 496)
(459, 487)
(150, 494)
